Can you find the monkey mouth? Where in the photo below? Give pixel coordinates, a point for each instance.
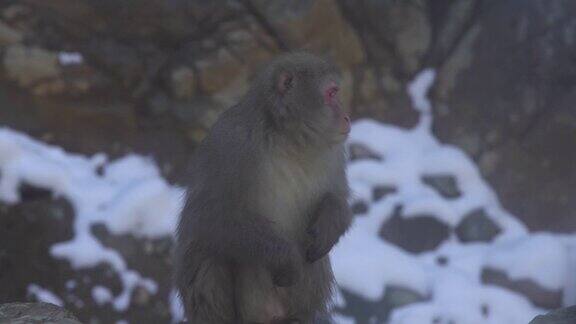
(346, 127)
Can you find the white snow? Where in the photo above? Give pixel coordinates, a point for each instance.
(70, 58)
(101, 295)
(129, 197)
(70, 284)
(540, 257)
(176, 307)
(44, 295)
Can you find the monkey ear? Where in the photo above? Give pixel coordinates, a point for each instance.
(285, 82)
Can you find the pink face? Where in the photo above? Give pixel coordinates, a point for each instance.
(330, 95)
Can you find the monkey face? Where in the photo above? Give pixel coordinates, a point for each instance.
(330, 94)
(308, 106)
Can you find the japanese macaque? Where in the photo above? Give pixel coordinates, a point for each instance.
(267, 200)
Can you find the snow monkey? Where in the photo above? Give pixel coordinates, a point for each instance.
(267, 200)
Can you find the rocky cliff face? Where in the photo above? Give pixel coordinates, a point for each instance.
(152, 76)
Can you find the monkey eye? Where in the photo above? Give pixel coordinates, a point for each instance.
(285, 82)
(288, 82)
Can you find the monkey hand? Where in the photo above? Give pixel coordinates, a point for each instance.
(329, 221)
(320, 241)
(317, 248)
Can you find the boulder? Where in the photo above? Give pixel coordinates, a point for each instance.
(29, 313)
(476, 226)
(414, 233)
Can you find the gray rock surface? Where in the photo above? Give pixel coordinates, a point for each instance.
(445, 185)
(35, 313)
(477, 227)
(560, 316)
(414, 233)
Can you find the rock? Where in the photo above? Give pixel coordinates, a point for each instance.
(28, 65)
(141, 296)
(9, 35)
(222, 71)
(359, 207)
(362, 310)
(365, 311)
(28, 192)
(158, 104)
(397, 296)
(538, 295)
(560, 316)
(414, 233)
(183, 82)
(380, 192)
(84, 126)
(444, 184)
(26, 313)
(521, 131)
(362, 152)
(477, 227)
(442, 260)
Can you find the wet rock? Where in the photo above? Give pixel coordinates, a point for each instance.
(477, 227)
(414, 233)
(380, 192)
(445, 185)
(26, 313)
(560, 316)
(538, 295)
(362, 152)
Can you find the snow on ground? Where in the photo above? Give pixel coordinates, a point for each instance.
(365, 264)
(44, 295)
(129, 196)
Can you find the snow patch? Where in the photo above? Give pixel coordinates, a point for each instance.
(101, 295)
(44, 295)
(70, 58)
(130, 197)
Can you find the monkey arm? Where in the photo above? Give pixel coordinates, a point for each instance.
(330, 220)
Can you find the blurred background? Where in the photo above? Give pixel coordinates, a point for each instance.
(145, 79)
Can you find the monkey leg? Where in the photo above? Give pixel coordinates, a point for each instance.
(257, 299)
(209, 296)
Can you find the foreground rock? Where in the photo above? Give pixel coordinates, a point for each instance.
(560, 316)
(26, 313)
(414, 233)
